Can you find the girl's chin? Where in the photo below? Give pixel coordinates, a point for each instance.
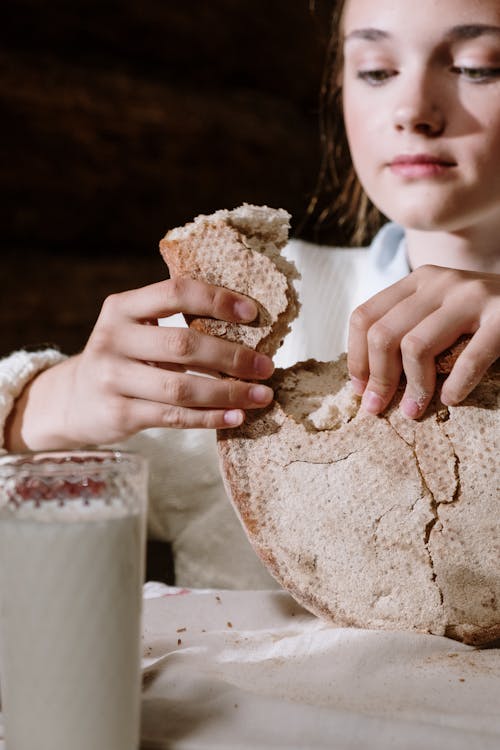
(427, 219)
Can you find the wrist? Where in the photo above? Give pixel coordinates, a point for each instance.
(16, 372)
(38, 420)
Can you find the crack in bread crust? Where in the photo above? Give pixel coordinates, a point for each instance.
(433, 507)
(381, 551)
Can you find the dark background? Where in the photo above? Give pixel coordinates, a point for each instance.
(123, 119)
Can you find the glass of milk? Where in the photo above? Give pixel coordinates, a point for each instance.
(72, 531)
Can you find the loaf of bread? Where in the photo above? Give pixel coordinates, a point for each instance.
(373, 522)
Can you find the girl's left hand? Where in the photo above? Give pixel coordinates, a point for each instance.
(407, 325)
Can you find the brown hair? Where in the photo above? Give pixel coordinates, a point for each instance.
(339, 201)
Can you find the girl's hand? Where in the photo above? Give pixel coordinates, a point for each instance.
(407, 325)
(132, 375)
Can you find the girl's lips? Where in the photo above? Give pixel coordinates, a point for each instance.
(420, 165)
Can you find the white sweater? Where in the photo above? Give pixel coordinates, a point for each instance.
(187, 503)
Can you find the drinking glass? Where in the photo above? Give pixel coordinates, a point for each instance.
(72, 537)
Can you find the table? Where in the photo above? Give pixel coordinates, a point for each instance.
(253, 670)
(228, 670)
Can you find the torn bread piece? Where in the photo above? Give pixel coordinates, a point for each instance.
(240, 250)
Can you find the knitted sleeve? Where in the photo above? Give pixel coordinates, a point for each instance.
(16, 371)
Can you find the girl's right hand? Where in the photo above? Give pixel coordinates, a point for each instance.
(406, 326)
(133, 374)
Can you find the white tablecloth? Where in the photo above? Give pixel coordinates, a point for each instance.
(252, 670)
(225, 670)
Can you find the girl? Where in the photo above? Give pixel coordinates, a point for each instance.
(419, 88)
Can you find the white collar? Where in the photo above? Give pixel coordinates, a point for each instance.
(387, 260)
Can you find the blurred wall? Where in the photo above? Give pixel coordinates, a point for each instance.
(123, 119)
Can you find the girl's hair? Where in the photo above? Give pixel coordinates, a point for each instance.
(339, 202)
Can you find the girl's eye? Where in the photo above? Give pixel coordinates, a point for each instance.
(375, 77)
(477, 75)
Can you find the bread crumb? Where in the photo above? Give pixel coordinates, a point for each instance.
(181, 630)
(230, 624)
(336, 409)
(179, 641)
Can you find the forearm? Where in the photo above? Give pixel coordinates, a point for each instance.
(38, 420)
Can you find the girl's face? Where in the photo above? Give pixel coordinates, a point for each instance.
(421, 97)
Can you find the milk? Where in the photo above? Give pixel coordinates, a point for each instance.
(70, 593)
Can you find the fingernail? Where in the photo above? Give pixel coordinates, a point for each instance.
(263, 366)
(372, 402)
(233, 418)
(260, 394)
(358, 386)
(449, 400)
(245, 310)
(410, 407)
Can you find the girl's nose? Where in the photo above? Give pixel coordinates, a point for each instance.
(419, 113)
(430, 123)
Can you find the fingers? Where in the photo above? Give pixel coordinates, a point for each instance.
(407, 325)
(136, 380)
(191, 349)
(188, 296)
(385, 350)
(480, 353)
(362, 320)
(138, 395)
(419, 348)
(136, 415)
(414, 335)
(186, 348)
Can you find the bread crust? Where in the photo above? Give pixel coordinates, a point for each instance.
(239, 250)
(374, 522)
